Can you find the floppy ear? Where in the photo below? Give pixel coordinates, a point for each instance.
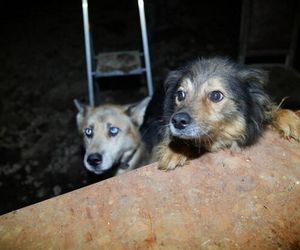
(172, 79)
(136, 111)
(83, 111)
(255, 79)
(170, 86)
(261, 102)
(254, 76)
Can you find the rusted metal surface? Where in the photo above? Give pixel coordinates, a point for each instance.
(247, 200)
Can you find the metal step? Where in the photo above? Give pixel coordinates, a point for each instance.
(119, 63)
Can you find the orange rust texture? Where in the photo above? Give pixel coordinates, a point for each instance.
(247, 200)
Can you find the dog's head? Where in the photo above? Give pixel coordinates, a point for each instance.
(110, 133)
(216, 99)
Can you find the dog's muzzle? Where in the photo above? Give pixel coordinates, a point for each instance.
(183, 126)
(181, 120)
(94, 159)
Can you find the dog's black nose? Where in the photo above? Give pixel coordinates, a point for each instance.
(181, 120)
(94, 159)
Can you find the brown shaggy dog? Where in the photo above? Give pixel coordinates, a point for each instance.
(213, 104)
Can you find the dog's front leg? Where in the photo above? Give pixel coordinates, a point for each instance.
(287, 123)
(171, 155)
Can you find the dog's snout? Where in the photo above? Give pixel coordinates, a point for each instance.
(181, 120)
(94, 159)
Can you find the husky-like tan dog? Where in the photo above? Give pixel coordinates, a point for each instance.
(111, 136)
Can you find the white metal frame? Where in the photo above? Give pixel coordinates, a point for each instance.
(89, 56)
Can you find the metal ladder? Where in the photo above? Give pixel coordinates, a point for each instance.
(93, 72)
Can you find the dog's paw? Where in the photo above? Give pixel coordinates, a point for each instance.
(287, 123)
(235, 148)
(170, 160)
(224, 144)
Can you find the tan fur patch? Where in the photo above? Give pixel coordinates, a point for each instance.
(287, 123)
(188, 88)
(170, 158)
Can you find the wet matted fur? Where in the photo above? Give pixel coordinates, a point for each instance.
(212, 104)
(111, 137)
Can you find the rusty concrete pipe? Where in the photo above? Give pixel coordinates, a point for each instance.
(247, 200)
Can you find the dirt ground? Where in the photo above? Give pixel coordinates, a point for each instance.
(43, 70)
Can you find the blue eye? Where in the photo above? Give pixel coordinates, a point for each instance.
(215, 96)
(88, 132)
(113, 131)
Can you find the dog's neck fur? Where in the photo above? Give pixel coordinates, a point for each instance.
(134, 160)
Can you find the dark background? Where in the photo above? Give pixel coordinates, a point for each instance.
(42, 69)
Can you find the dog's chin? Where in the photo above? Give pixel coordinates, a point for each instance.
(99, 169)
(188, 133)
(94, 169)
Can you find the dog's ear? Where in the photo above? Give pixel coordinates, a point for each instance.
(172, 80)
(136, 111)
(255, 79)
(253, 76)
(83, 111)
(170, 85)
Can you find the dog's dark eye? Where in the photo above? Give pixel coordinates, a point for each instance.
(180, 95)
(113, 131)
(215, 96)
(88, 132)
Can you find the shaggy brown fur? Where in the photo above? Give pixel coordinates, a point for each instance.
(213, 104)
